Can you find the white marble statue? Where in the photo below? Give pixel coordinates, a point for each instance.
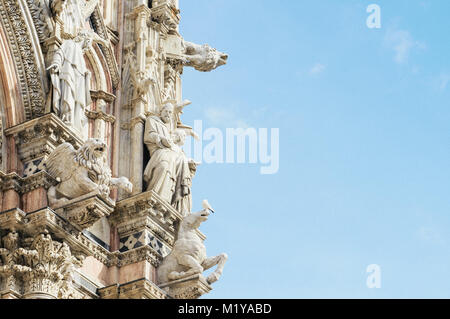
(160, 171)
(169, 172)
(73, 13)
(188, 256)
(203, 57)
(81, 172)
(71, 82)
(185, 171)
(68, 71)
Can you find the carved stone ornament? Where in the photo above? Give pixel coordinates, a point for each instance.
(27, 60)
(84, 182)
(81, 172)
(169, 172)
(86, 210)
(203, 57)
(192, 287)
(188, 257)
(37, 268)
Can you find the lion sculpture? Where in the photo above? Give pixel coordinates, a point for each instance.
(203, 57)
(81, 172)
(188, 256)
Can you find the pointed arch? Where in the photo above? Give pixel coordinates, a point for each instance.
(24, 71)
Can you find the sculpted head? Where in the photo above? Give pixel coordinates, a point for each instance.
(216, 58)
(57, 6)
(167, 112)
(194, 220)
(93, 151)
(208, 59)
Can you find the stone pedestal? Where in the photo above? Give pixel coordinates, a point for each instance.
(37, 138)
(145, 220)
(85, 211)
(192, 287)
(146, 228)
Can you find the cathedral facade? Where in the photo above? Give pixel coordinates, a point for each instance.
(95, 189)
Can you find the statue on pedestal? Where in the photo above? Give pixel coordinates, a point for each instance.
(169, 172)
(188, 256)
(71, 81)
(68, 71)
(80, 172)
(160, 171)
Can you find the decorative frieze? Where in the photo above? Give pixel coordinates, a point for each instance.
(85, 211)
(48, 221)
(167, 15)
(41, 18)
(137, 255)
(138, 289)
(143, 238)
(29, 63)
(146, 210)
(37, 138)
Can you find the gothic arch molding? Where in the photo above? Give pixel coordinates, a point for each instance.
(27, 60)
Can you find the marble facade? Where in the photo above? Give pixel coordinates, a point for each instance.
(95, 190)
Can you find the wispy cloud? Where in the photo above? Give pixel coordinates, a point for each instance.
(430, 235)
(317, 69)
(444, 80)
(402, 43)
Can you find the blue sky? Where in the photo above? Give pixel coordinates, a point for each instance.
(364, 172)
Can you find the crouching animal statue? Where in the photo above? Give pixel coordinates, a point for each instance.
(81, 172)
(188, 256)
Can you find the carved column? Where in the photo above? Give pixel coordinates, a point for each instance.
(36, 267)
(141, 15)
(100, 115)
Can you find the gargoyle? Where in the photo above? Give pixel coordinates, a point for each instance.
(203, 57)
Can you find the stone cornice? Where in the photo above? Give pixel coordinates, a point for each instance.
(140, 288)
(102, 95)
(144, 253)
(141, 9)
(32, 182)
(47, 221)
(146, 204)
(10, 181)
(100, 115)
(39, 137)
(192, 287)
(167, 16)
